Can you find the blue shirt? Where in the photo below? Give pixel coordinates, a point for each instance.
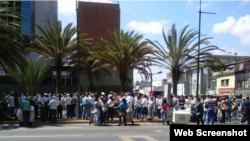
(245, 105)
(123, 106)
(229, 103)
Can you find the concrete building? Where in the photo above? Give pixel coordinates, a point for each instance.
(225, 82)
(97, 19)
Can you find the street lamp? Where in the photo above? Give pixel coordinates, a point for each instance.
(151, 75)
(78, 70)
(198, 60)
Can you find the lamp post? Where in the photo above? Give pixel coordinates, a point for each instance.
(151, 75)
(198, 60)
(78, 70)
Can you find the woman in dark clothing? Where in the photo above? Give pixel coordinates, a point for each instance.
(59, 108)
(199, 111)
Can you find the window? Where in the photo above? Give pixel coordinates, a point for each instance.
(225, 82)
(240, 84)
(66, 79)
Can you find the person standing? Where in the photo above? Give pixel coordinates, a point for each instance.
(97, 107)
(199, 111)
(60, 106)
(210, 110)
(181, 102)
(67, 101)
(73, 102)
(223, 110)
(137, 106)
(86, 107)
(130, 102)
(123, 106)
(36, 105)
(41, 106)
(25, 106)
(111, 108)
(144, 110)
(46, 105)
(53, 104)
(151, 108)
(11, 105)
(246, 109)
(229, 104)
(164, 108)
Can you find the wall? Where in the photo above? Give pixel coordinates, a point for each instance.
(97, 19)
(231, 78)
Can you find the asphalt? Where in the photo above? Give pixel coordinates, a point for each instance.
(84, 132)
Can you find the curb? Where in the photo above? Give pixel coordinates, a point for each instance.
(79, 122)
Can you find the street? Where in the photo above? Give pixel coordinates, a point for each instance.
(80, 132)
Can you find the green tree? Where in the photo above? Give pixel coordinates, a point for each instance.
(31, 76)
(56, 45)
(124, 52)
(180, 52)
(11, 47)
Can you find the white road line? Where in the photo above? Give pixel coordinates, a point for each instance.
(47, 136)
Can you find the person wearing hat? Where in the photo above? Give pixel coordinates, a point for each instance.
(53, 104)
(67, 101)
(41, 106)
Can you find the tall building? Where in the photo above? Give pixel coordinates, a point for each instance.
(32, 13)
(97, 19)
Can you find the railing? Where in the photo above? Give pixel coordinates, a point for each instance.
(102, 1)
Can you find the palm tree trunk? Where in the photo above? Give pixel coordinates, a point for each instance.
(175, 77)
(58, 80)
(123, 82)
(91, 81)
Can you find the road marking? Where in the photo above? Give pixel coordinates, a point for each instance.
(130, 138)
(47, 136)
(161, 130)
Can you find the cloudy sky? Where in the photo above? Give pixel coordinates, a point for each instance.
(230, 27)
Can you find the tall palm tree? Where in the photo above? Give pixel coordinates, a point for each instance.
(56, 45)
(11, 47)
(31, 76)
(125, 51)
(180, 52)
(86, 64)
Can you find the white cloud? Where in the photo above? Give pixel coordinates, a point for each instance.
(190, 4)
(186, 23)
(151, 27)
(240, 28)
(203, 6)
(233, 50)
(66, 8)
(245, 2)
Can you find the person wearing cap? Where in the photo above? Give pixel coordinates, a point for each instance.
(53, 104)
(67, 101)
(41, 106)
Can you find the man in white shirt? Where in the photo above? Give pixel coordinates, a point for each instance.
(144, 104)
(67, 101)
(11, 105)
(53, 108)
(151, 107)
(159, 104)
(205, 108)
(137, 106)
(41, 106)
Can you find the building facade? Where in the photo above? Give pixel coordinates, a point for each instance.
(97, 19)
(225, 83)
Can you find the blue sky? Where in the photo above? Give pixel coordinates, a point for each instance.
(230, 27)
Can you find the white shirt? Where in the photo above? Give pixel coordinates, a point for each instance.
(145, 102)
(92, 100)
(11, 101)
(137, 102)
(159, 103)
(41, 99)
(53, 104)
(129, 100)
(110, 103)
(67, 100)
(35, 100)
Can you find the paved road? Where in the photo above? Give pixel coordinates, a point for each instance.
(80, 132)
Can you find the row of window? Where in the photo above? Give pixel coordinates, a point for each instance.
(243, 84)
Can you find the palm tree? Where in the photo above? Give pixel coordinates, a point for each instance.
(86, 64)
(181, 52)
(125, 51)
(31, 76)
(11, 50)
(56, 45)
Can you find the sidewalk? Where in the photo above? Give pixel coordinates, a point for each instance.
(116, 120)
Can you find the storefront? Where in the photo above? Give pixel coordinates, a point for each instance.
(242, 82)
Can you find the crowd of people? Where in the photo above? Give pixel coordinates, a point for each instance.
(98, 109)
(213, 109)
